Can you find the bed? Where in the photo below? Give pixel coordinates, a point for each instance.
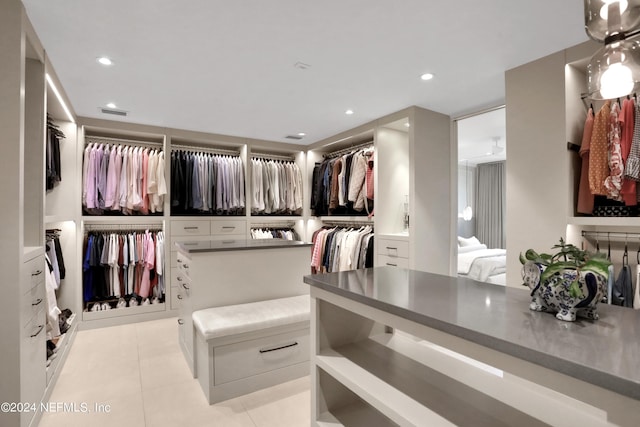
(478, 262)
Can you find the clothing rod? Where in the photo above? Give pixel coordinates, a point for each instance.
(348, 223)
(116, 141)
(272, 157)
(606, 235)
(349, 149)
(176, 147)
(273, 225)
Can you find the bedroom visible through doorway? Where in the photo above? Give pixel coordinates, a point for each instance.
(482, 156)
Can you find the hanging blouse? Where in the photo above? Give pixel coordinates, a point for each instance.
(598, 157)
(613, 183)
(585, 198)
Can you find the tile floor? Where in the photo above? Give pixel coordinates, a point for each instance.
(140, 372)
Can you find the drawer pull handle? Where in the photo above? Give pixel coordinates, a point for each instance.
(36, 273)
(39, 330)
(180, 322)
(190, 244)
(279, 348)
(179, 279)
(228, 241)
(190, 228)
(391, 248)
(392, 265)
(185, 286)
(228, 227)
(37, 302)
(186, 266)
(179, 296)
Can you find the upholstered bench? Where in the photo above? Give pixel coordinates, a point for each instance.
(246, 347)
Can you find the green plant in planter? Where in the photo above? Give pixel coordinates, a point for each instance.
(568, 257)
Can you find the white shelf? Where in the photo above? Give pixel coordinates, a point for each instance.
(30, 252)
(50, 219)
(357, 414)
(338, 218)
(124, 219)
(631, 221)
(391, 402)
(120, 312)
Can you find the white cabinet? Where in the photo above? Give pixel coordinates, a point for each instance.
(392, 250)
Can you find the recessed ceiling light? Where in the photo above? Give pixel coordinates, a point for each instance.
(111, 105)
(302, 134)
(426, 76)
(105, 61)
(348, 112)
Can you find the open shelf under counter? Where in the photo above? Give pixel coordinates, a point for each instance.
(466, 353)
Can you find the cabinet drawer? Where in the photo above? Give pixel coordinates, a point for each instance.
(33, 273)
(193, 244)
(180, 279)
(32, 359)
(247, 358)
(229, 227)
(190, 228)
(393, 248)
(176, 296)
(32, 301)
(388, 261)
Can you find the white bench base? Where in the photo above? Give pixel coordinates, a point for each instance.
(231, 365)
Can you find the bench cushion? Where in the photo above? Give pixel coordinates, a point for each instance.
(228, 320)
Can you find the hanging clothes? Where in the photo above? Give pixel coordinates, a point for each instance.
(627, 123)
(121, 179)
(53, 165)
(344, 185)
(277, 187)
(285, 233)
(206, 184)
(598, 157)
(585, 197)
(342, 249)
(123, 264)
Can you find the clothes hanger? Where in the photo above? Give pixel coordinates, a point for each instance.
(609, 246)
(625, 256)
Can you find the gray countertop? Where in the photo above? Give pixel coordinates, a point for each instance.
(237, 245)
(605, 352)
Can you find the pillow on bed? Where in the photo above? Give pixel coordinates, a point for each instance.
(471, 241)
(471, 248)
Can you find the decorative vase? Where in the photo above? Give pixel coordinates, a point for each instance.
(558, 292)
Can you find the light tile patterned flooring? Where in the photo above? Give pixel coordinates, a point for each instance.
(139, 370)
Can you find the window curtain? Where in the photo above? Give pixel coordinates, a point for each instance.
(490, 204)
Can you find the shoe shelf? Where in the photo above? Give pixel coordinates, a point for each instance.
(124, 311)
(62, 348)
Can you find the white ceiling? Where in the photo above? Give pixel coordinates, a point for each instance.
(482, 138)
(228, 66)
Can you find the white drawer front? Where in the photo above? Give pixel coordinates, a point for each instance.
(176, 297)
(228, 227)
(179, 278)
(33, 273)
(192, 243)
(388, 261)
(190, 228)
(32, 301)
(392, 248)
(247, 358)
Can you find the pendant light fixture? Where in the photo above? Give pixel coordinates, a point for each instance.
(614, 70)
(467, 213)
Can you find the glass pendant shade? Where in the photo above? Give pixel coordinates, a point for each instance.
(467, 213)
(606, 18)
(614, 70)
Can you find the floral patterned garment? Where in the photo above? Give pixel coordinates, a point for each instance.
(613, 183)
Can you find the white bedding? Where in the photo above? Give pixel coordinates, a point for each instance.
(482, 263)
